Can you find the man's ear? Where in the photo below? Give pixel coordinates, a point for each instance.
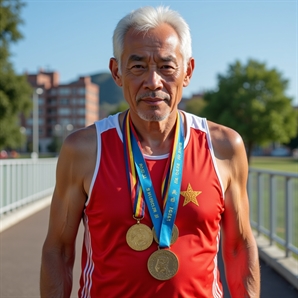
(189, 71)
(114, 68)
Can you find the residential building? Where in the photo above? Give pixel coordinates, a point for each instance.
(62, 108)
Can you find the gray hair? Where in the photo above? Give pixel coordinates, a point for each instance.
(146, 18)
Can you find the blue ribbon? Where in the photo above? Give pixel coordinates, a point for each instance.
(163, 224)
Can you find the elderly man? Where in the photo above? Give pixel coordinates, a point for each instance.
(156, 187)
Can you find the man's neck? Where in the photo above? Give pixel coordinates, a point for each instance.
(156, 137)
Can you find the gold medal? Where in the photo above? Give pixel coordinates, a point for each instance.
(175, 234)
(163, 264)
(139, 237)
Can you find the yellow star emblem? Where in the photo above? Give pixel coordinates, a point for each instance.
(190, 195)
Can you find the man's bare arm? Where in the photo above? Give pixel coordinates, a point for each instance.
(239, 248)
(67, 206)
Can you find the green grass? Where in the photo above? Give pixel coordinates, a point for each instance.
(280, 164)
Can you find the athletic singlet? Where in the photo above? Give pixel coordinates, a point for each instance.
(110, 268)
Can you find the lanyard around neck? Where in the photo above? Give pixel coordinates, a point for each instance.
(141, 186)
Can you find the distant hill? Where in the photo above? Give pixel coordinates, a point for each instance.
(109, 92)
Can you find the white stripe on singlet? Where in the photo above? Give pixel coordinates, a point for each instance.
(103, 125)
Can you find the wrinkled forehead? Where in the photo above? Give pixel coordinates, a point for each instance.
(161, 33)
(162, 40)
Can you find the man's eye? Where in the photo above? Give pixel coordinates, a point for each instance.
(138, 66)
(167, 69)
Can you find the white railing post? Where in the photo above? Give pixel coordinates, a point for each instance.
(272, 208)
(288, 215)
(277, 196)
(260, 203)
(23, 181)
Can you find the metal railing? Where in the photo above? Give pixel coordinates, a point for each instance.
(274, 207)
(273, 196)
(23, 181)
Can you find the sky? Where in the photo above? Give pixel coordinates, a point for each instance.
(74, 37)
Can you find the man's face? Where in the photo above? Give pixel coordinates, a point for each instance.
(152, 72)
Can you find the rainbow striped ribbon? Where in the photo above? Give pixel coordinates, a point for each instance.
(139, 175)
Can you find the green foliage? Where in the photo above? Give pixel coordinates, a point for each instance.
(9, 16)
(251, 99)
(15, 92)
(195, 106)
(277, 164)
(55, 144)
(293, 143)
(122, 106)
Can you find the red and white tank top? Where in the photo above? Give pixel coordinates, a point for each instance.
(110, 268)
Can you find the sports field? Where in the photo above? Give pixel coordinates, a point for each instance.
(275, 164)
(280, 164)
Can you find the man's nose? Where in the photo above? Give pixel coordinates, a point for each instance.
(153, 80)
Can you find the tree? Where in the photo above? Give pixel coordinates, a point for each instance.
(195, 105)
(293, 143)
(55, 144)
(15, 92)
(251, 99)
(122, 106)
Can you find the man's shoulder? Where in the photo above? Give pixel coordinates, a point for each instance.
(226, 141)
(229, 151)
(89, 134)
(78, 153)
(218, 132)
(84, 140)
(110, 122)
(81, 141)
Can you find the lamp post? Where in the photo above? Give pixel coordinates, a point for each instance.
(35, 123)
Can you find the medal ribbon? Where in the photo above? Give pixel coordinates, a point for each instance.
(163, 224)
(138, 202)
(133, 182)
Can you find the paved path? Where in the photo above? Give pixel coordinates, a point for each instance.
(20, 253)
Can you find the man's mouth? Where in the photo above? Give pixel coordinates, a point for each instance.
(154, 97)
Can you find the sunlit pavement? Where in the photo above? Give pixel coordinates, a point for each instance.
(20, 254)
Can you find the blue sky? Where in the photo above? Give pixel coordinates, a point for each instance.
(75, 37)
